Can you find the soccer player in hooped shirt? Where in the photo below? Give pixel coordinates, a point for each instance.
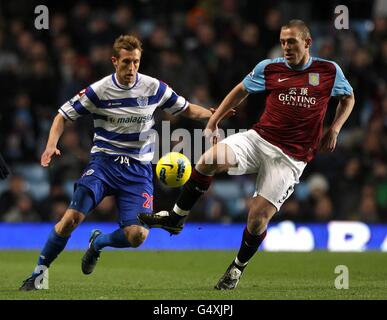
(122, 106)
(278, 147)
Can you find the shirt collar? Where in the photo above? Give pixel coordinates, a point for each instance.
(299, 68)
(121, 86)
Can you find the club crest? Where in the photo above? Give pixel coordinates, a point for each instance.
(142, 101)
(314, 79)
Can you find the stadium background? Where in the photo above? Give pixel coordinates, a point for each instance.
(201, 49)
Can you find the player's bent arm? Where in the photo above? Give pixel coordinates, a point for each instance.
(195, 111)
(232, 100)
(343, 110)
(56, 132)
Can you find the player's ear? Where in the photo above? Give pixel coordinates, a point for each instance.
(308, 43)
(115, 61)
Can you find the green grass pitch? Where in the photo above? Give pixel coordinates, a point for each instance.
(179, 275)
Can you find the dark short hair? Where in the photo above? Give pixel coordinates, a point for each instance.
(126, 42)
(301, 25)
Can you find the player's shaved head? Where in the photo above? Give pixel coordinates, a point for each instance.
(126, 42)
(300, 25)
(295, 41)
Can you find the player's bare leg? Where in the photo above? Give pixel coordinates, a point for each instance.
(130, 236)
(55, 244)
(260, 213)
(136, 235)
(217, 159)
(70, 220)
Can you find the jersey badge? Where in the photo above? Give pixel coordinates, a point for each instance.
(314, 79)
(142, 101)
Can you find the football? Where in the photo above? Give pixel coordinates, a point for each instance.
(173, 169)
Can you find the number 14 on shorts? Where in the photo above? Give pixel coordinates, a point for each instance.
(122, 160)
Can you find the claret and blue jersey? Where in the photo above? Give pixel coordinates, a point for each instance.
(123, 144)
(296, 102)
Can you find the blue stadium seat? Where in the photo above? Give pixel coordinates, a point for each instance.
(36, 179)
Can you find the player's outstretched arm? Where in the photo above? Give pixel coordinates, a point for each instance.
(232, 100)
(195, 111)
(344, 109)
(56, 131)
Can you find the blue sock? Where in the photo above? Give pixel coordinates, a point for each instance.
(54, 245)
(116, 239)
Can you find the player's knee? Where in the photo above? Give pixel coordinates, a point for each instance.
(136, 235)
(136, 239)
(215, 160)
(69, 222)
(257, 224)
(206, 165)
(258, 219)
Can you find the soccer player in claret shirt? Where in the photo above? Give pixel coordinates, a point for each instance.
(122, 105)
(278, 147)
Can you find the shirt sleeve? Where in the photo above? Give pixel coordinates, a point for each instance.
(78, 106)
(341, 87)
(255, 80)
(171, 102)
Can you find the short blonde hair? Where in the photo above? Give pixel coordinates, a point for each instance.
(301, 25)
(126, 42)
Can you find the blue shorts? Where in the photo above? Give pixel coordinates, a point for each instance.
(131, 185)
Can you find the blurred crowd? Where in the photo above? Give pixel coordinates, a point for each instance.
(202, 49)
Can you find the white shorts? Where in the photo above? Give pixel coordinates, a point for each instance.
(278, 173)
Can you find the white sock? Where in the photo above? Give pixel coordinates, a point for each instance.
(240, 264)
(179, 211)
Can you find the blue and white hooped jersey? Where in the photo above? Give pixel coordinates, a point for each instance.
(123, 116)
